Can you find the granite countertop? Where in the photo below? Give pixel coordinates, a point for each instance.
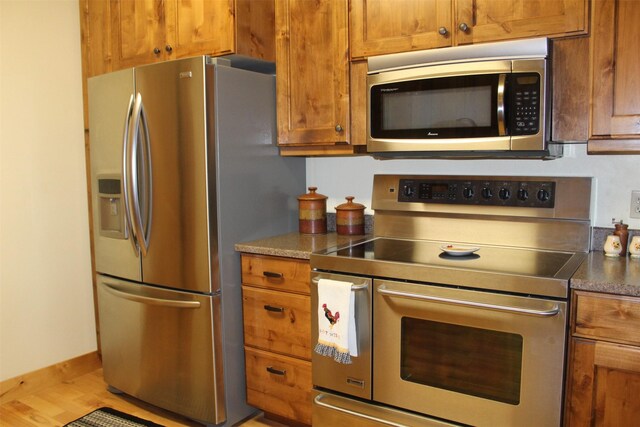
(598, 273)
(617, 275)
(296, 245)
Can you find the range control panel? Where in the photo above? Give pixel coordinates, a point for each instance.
(538, 194)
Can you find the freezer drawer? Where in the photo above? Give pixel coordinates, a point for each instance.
(161, 347)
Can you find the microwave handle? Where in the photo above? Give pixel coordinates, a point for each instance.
(502, 78)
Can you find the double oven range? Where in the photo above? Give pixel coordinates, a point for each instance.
(461, 301)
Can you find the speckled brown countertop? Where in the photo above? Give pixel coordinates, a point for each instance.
(296, 245)
(599, 273)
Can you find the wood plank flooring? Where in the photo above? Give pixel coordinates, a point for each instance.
(59, 404)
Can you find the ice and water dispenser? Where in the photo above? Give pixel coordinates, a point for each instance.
(111, 207)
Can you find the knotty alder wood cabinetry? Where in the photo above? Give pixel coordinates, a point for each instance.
(276, 310)
(118, 34)
(314, 95)
(615, 77)
(381, 26)
(604, 364)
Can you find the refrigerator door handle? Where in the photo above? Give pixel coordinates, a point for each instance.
(139, 169)
(148, 180)
(128, 221)
(150, 300)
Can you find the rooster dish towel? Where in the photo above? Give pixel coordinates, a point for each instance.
(336, 321)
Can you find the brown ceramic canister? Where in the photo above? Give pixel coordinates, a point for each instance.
(622, 230)
(350, 218)
(312, 212)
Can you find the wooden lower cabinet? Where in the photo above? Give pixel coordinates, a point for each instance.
(279, 384)
(276, 310)
(604, 361)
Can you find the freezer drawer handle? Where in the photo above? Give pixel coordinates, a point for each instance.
(152, 301)
(273, 370)
(531, 312)
(318, 401)
(274, 309)
(272, 275)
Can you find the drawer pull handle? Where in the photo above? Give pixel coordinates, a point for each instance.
(272, 308)
(273, 370)
(272, 275)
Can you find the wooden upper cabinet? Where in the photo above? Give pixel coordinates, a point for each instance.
(615, 77)
(118, 34)
(138, 32)
(201, 26)
(382, 26)
(313, 73)
(491, 20)
(145, 31)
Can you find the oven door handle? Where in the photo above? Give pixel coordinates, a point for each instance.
(353, 287)
(518, 310)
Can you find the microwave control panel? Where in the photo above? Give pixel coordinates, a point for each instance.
(524, 101)
(537, 194)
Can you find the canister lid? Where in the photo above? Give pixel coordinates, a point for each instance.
(312, 195)
(350, 205)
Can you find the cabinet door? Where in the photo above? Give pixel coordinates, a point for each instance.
(138, 32)
(487, 20)
(604, 384)
(615, 77)
(313, 72)
(383, 26)
(200, 27)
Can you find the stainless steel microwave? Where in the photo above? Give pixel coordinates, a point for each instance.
(488, 100)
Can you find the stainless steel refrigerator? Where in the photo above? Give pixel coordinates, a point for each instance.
(183, 166)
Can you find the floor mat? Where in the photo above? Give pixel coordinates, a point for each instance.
(108, 417)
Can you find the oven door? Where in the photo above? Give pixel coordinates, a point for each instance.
(473, 357)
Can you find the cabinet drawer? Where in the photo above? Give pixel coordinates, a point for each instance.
(278, 384)
(283, 274)
(608, 317)
(277, 321)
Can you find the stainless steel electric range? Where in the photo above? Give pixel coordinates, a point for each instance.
(461, 301)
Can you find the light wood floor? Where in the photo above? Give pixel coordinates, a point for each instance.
(57, 405)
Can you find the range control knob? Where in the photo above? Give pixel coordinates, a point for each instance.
(543, 195)
(408, 191)
(523, 194)
(487, 193)
(504, 193)
(467, 192)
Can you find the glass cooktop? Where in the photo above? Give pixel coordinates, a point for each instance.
(492, 267)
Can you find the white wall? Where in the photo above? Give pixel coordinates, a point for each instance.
(615, 177)
(46, 305)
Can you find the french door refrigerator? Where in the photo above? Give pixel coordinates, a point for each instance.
(183, 166)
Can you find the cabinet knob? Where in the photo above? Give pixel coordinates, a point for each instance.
(168, 48)
(443, 31)
(156, 50)
(339, 128)
(463, 27)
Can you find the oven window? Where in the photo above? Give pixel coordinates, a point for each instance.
(473, 361)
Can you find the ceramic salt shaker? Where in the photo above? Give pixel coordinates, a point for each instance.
(634, 247)
(612, 247)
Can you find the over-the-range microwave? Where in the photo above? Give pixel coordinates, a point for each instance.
(486, 100)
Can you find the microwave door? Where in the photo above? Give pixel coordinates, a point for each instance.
(110, 108)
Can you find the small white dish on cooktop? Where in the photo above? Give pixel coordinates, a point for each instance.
(457, 250)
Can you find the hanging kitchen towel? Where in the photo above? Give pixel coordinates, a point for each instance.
(336, 321)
